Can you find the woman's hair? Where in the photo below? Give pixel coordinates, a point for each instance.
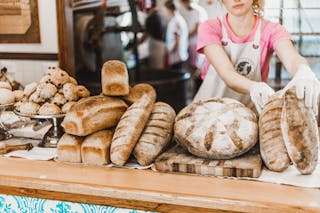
(170, 5)
(257, 7)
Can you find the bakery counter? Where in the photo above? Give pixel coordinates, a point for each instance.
(149, 190)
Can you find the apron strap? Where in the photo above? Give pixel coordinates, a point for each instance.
(224, 40)
(256, 39)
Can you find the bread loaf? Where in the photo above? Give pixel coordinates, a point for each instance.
(114, 78)
(69, 148)
(300, 133)
(95, 149)
(216, 128)
(92, 114)
(272, 147)
(156, 134)
(137, 91)
(129, 129)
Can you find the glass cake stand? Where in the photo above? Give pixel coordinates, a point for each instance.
(52, 136)
(4, 131)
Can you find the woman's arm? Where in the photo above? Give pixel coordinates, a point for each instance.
(289, 56)
(176, 43)
(194, 31)
(222, 64)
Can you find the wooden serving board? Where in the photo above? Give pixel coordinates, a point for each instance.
(177, 159)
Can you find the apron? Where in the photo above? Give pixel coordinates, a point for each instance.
(157, 51)
(246, 60)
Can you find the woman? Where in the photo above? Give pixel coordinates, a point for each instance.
(176, 36)
(238, 47)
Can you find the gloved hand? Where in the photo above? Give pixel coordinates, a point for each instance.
(260, 93)
(307, 86)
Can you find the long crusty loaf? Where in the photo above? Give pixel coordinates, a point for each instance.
(156, 135)
(69, 148)
(129, 129)
(272, 148)
(300, 133)
(216, 128)
(92, 114)
(137, 91)
(114, 78)
(95, 149)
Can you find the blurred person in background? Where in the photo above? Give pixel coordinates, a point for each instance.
(176, 36)
(155, 31)
(192, 18)
(238, 47)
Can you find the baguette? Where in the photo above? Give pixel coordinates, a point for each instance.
(137, 91)
(93, 114)
(156, 135)
(129, 129)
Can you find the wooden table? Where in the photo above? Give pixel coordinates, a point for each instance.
(148, 190)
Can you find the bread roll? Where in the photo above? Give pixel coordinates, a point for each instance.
(5, 85)
(137, 91)
(300, 133)
(92, 114)
(18, 95)
(216, 128)
(129, 129)
(114, 78)
(95, 149)
(156, 134)
(70, 92)
(67, 106)
(49, 109)
(69, 148)
(82, 91)
(29, 108)
(30, 88)
(272, 148)
(6, 96)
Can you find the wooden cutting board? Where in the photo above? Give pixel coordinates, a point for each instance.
(177, 159)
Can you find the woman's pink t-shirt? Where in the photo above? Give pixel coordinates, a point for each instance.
(210, 32)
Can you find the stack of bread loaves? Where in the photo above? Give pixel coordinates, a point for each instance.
(54, 94)
(102, 128)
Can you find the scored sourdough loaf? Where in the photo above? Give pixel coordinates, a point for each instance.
(272, 148)
(300, 132)
(92, 114)
(129, 129)
(156, 134)
(95, 149)
(137, 91)
(216, 128)
(114, 78)
(69, 148)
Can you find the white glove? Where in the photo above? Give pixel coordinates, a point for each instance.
(307, 86)
(260, 93)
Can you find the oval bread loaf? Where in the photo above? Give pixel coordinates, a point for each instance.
(272, 148)
(92, 114)
(216, 128)
(129, 129)
(300, 133)
(156, 135)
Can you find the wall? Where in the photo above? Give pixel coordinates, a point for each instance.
(26, 71)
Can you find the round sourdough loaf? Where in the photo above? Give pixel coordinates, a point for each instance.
(216, 128)
(272, 147)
